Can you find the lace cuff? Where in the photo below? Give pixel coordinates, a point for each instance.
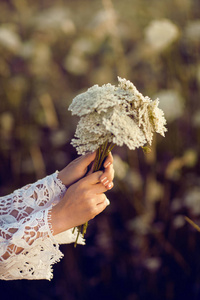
(28, 248)
(30, 252)
(66, 237)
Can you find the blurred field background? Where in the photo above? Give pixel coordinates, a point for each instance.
(141, 247)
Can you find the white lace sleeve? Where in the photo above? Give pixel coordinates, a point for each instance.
(28, 248)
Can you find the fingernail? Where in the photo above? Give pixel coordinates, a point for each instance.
(103, 180)
(108, 202)
(110, 186)
(108, 164)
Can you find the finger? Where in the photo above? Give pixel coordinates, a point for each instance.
(102, 205)
(90, 162)
(88, 158)
(108, 161)
(104, 199)
(107, 201)
(91, 169)
(99, 188)
(108, 175)
(109, 186)
(93, 178)
(100, 198)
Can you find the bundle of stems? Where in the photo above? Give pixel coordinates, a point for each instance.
(102, 153)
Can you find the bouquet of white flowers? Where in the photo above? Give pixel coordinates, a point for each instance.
(114, 115)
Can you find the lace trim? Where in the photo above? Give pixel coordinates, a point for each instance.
(59, 181)
(28, 248)
(49, 222)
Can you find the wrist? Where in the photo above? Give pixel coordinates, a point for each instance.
(62, 177)
(58, 221)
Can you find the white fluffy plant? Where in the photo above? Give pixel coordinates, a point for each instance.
(114, 115)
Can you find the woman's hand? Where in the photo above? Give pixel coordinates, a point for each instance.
(79, 167)
(82, 201)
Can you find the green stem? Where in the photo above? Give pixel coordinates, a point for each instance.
(79, 230)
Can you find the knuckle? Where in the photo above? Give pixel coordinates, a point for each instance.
(105, 204)
(92, 212)
(84, 193)
(90, 204)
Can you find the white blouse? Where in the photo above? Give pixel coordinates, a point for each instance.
(28, 248)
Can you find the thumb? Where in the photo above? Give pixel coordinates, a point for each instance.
(88, 159)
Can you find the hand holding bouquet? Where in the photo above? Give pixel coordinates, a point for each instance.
(114, 115)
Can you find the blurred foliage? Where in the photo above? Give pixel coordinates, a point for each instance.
(141, 247)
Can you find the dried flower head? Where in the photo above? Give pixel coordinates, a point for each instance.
(116, 114)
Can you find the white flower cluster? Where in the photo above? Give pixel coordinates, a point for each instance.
(115, 114)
